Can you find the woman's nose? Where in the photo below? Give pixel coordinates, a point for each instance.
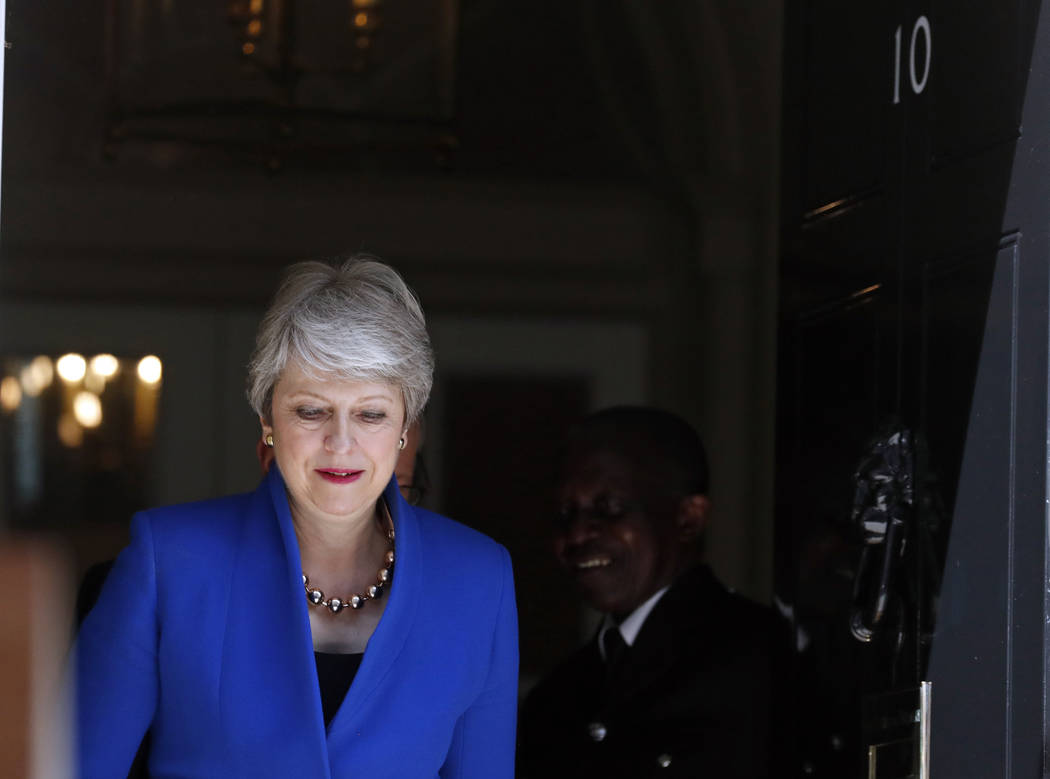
(340, 436)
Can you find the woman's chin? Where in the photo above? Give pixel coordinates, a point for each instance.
(329, 509)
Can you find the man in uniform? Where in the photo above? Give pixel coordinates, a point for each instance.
(677, 680)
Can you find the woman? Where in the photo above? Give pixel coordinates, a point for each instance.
(232, 629)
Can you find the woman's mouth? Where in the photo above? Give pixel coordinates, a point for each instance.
(338, 477)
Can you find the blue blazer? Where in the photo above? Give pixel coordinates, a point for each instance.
(201, 635)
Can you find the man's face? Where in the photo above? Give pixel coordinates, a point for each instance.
(617, 533)
(406, 463)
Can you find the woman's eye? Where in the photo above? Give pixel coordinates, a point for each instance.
(308, 413)
(373, 416)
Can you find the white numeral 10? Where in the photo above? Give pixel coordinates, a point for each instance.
(922, 24)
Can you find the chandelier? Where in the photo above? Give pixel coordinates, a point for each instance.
(266, 32)
(280, 80)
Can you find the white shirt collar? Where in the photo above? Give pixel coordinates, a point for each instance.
(632, 624)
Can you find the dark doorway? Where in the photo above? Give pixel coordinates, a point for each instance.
(502, 470)
(914, 298)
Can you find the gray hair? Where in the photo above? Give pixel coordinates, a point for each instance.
(357, 320)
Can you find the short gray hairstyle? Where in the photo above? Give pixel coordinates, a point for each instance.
(356, 319)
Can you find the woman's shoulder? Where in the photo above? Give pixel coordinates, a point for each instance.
(448, 562)
(447, 538)
(214, 519)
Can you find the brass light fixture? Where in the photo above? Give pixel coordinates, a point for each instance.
(318, 83)
(265, 34)
(365, 19)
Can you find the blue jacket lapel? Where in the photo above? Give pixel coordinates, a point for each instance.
(269, 678)
(269, 673)
(389, 638)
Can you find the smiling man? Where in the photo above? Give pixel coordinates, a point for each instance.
(676, 682)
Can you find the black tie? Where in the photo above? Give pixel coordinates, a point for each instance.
(615, 647)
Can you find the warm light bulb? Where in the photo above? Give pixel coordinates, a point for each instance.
(69, 432)
(71, 367)
(43, 371)
(87, 408)
(10, 393)
(104, 365)
(150, 369)
(37, 376)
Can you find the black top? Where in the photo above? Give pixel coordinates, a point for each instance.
(690, 697)
(335, 673)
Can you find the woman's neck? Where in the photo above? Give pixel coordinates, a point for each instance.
(343, 563)
(340, 556)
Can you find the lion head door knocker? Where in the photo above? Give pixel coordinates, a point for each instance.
(896, 512)
(883, 501)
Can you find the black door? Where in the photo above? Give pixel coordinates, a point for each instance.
(913, 299)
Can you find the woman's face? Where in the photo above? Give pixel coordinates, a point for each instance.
(336, 443)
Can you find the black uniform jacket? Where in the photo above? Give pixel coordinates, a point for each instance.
(690, 698)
